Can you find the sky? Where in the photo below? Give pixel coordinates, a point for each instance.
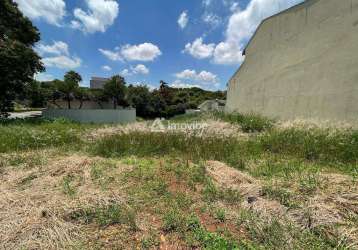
(185, 43)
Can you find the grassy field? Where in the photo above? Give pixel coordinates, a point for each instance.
(247, 182)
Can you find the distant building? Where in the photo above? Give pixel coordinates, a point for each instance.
(98, 82)
(212, 105)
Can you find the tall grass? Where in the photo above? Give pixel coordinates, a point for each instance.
(27, 134)
(313, 144)
(316, 146)
(176, 144)
(249, 122)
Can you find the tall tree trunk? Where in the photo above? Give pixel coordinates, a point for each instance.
(69, 101)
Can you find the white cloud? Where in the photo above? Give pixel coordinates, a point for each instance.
(142, 52)
(106, 68)
(200, 50)
(62, 58)
(140, 69)
(183, 19)
(52, 11)
(203, 76)
(211, 19)
(99, 16)
(125, 72)
(44, 77)
(241, 26)
(111, 55)
(182, 85)
(57, 48)
(62, 62)
(228, 53)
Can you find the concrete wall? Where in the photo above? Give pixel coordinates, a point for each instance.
(302, 63)
(75, 104)
(93, 115)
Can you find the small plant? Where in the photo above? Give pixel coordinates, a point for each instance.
(309, 183)
(279, 194)
(173, 221)
(67, 185)
(220, 214)
(106, 215)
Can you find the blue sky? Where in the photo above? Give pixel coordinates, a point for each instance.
(183, 42)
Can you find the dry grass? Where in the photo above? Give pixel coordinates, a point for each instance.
(71, 199)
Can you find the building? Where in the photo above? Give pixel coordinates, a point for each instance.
(301, 63)
(212, 105)
(98, 82)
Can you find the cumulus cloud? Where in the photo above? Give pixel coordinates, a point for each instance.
(182, 85)
(183, 19)
(98, 17)
(200, 50)
(52, 11)
(62, 62)
(111, 55)
(106, 68)
(228, 53)
(142, 52)
(57, 48)
(139, 69)
(203, 76)
(57, 55)
(241, 26)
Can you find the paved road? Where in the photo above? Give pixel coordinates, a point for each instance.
(28, 114)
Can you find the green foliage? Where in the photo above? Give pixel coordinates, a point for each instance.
(19, 62)
(115, 89)
(28, 134)
(67, 185)
(198, 237)
(248, 122)
(284, 196)
(69, 86)
(106, 215)
(314, 144)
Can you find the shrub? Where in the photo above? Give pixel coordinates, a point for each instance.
(249, 122)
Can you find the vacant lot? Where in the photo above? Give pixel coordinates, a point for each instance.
(244, 183)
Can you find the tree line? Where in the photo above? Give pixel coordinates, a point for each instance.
(162, 102)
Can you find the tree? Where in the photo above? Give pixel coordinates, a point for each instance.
(69, 86)
(116, 89)
(18, 61)
(82, 94)
(36, 94)
(140, 98)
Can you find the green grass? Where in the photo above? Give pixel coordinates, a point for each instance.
(313, 144)
(249, 122)
(105, 215)
(30, 134)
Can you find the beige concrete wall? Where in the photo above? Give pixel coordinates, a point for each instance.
(302, 63)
